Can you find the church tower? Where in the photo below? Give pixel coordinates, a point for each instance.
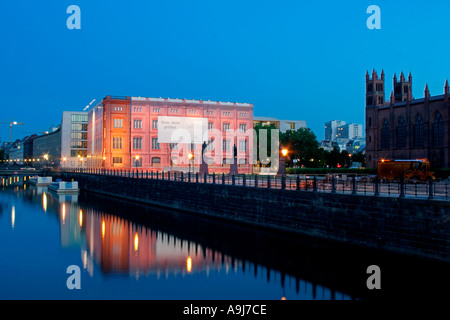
(402, 88)
(374, 89)
(374, 98)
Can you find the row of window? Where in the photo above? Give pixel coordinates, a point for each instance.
(418, 133)
(156, 161)
(78, 127)
(79, 118)
(117, 142)
(175, 110)
(78, 144)
(78, 135)
(137, 144)
(137, 124)
(78, 153)
(118, 123)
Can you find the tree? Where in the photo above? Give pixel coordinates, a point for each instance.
(258, 137)
(332, 158)
(303, 146)
(359, 157)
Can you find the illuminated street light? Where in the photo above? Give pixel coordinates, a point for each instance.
(282, 162)
(190, 156)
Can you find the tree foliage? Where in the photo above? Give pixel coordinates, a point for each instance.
(302, 146)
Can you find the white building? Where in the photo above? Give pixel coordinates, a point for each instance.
(350, 131)
(331, 129)
(74, 139)
(283, 125)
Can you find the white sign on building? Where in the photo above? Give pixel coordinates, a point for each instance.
(182, 129)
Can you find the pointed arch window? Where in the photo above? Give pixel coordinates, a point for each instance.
(418, 133)
(385, 135)
(438, 130)
(401, 133)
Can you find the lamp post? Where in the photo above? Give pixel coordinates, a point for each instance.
(190, 156)
(282, 164)
(137, 160)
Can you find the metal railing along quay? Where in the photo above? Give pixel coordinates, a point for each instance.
(430, 190)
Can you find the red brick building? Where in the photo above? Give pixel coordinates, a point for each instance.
(404, 127)
(168, 134)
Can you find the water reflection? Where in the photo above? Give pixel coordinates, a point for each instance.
(116, 238)
(13, 216)
(123, 247)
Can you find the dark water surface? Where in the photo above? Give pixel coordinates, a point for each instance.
(130, 251)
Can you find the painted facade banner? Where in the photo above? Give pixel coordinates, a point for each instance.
(182, 129)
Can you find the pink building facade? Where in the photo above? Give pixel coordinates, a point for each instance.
(169, 134)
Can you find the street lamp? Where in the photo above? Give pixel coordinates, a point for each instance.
(282, 164)
(137, 160)
(190, 156)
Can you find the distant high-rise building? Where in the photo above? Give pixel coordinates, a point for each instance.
(350, 131)
(331, 129)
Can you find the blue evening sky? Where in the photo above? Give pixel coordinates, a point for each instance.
(292, 59)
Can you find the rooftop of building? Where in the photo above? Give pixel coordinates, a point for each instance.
(256, 119)
(191, 101)
(440, 97)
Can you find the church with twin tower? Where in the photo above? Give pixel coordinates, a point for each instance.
(404, 127)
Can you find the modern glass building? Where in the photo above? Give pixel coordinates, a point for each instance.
(74, 138)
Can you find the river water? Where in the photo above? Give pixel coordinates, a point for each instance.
(129, 251)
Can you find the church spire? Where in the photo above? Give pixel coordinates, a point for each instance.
(426, 92)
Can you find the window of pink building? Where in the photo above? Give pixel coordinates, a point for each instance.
(137, 124)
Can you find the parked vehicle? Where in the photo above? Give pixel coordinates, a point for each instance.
(389, 170)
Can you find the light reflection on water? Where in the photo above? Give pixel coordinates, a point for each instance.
(121, 258)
